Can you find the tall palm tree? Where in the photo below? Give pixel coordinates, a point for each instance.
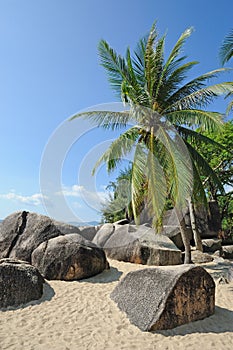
(165, 112)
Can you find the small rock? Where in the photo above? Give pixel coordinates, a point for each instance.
(200, 258)
(19, 283)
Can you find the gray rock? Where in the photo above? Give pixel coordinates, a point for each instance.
(171, 229)
(19, 283)
(230, 274)
(211, 245)
(65, 228)
(122, 222)
(141, 245)
(227, 252)
(198, 257)
(22, 232)
(69, 257)
(103, 234)
(88, 232)
(164, 298)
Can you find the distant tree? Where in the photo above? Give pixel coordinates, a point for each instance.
(119, 205)
(221, 160)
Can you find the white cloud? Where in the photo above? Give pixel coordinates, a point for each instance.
(93, 198)
(34, 199)
(73, 191)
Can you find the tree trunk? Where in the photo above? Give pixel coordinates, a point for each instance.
(184, 236)
(196, 233)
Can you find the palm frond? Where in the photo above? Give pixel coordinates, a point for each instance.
(139, 60)
(199, 194)
(172, 57)
(150, 67)
(207, 121)
(226, 50)
(204, 167)
(178, 46)
(118, 149)
(202, 97)
(193, 86)
(196, 138)
(173, 81)
(106, 119)
(114, 65)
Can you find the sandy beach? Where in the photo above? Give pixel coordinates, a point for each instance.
(81, 315)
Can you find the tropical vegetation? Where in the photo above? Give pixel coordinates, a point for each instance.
(164, 111)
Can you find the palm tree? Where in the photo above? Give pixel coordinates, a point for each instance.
(164, 114)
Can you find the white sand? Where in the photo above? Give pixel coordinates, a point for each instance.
(81, 315)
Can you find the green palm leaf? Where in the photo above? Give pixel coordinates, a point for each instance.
(204, 166)
(118, 149)
(193, 86)
(106, 119)
(207, 121)
(226, 50)
(202, 97)
(195, 138)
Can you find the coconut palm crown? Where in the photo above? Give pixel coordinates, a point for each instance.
(166, 111)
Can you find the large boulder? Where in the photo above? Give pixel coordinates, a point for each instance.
(19, 283)
(103, 234)
(87, 232)
(22, 232)
(164, 298)
(69, 257)
(138, 244)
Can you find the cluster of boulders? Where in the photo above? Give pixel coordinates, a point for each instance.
(39, 247)
(34, 247)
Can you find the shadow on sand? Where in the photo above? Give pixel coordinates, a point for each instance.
(107, 276)
(220, 322)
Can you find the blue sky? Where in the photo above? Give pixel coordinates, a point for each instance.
(49, 70)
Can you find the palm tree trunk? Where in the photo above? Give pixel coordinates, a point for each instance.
(184, 236)
(196, 233)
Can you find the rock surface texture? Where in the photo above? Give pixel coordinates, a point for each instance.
(137, 244)
(211, 245)
(164, 298)
(69, 257)
(198, 257)
(227, 252)
(19, 283)
(22, 232)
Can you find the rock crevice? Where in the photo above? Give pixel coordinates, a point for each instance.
(20, 231)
